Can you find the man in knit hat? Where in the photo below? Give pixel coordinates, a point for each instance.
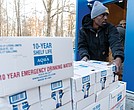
(97, 35)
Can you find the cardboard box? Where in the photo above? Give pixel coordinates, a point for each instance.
(105, 73)
(105, 92)
(56, 94)
(83, 85)
(22, 100)
(103, 64)
(80, 105)
(67, 106)
(103, 78)
(79, 65)
(29, 62)
(117, 97)
(84, 73)
(36, 106)
(100, 105)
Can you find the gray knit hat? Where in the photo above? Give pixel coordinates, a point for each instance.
(98, 9)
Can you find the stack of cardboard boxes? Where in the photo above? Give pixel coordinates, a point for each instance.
(39, 74)
(102, 90)
(35, 73)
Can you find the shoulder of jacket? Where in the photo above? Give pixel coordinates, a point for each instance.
(111, 27)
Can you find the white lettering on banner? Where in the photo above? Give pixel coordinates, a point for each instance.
(41, 73)
(43, 60)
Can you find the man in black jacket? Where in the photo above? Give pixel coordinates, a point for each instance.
(96, 36)
(122, 30)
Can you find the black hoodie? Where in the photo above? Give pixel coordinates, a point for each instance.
(95, 43)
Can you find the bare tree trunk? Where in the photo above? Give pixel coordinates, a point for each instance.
(48, 18)
(18, 19)
(17, 9)
(0, 17)
(24, 22)
(13, 24)
(7, 19)
(70, 22)
(62, 20)
(48, 10)
(56, 28)
(35, 22)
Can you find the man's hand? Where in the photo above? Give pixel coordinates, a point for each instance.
(85, 58)
(118, 64)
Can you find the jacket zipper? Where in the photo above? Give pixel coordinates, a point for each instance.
(97, 34)
(98, 46)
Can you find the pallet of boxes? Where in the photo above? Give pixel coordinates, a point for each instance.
(35, 73)
(95, 86)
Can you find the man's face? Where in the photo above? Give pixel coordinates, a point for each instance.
(101, 19)
(124, 25)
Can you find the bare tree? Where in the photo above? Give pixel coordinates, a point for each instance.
(7, 19)
(71, 19)
(57, 18)
(0, 16)
(48, 6)
(1, 1)
(17, 9)
(62, 19)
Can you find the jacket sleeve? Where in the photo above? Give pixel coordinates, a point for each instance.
(115, 43)
(83, 44)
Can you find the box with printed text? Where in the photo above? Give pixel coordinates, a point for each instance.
(117, 97)
(105, 74)
(28, 62)
(24, 100)
(56, 94)
(111, 66)
(100, 105)
(83, 85)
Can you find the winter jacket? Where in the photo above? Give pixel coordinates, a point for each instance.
(95, 43)
(121, 31)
